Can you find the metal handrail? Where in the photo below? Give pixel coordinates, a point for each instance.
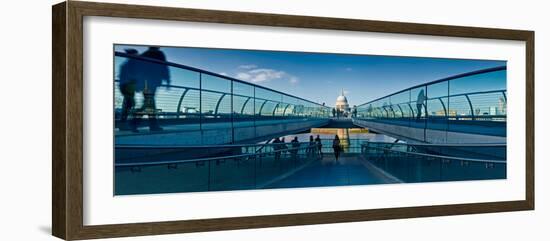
(440, 156)
(153, 163)
(265, 144)
(223, 94)
(434, 117)
(439, 97)
(123, 146)
(450, 145)
(428, 144)
(467, 95)
(482, 71)
(216, 92)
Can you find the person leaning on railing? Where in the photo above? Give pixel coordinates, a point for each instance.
(420, 103)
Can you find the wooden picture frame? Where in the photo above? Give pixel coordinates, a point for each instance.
(67, 123)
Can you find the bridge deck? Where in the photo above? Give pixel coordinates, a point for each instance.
(245, 175)
(348, 170)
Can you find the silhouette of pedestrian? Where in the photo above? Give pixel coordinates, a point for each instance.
(333, 112)
(153, 75)
(311, 146)
(127, 79)
(276, 148)
(420, 103)
(319, 145)
(295, 145)
(283, 146)
(336, 147)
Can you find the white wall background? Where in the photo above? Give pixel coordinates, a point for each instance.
(25, 123)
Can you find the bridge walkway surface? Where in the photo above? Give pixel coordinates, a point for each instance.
(269, 171)
(350, 169)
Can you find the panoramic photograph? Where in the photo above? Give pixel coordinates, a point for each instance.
(190, 119)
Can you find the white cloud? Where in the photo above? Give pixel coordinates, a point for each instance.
(243, 76)
(262, 75)
(248, 66)
(223, 73)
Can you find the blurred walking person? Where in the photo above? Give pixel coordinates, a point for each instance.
(154, 74)
(127, 80)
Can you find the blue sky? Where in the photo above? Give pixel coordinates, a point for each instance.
(321, 77)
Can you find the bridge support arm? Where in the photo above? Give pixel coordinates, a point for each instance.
(412, 111)
(444, 108)
(218, 104)
(245, 102)
(181, 101)
(261, 107)
(471, 107)
(284, 111)
(275, 109)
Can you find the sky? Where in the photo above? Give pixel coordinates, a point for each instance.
(321, 77)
